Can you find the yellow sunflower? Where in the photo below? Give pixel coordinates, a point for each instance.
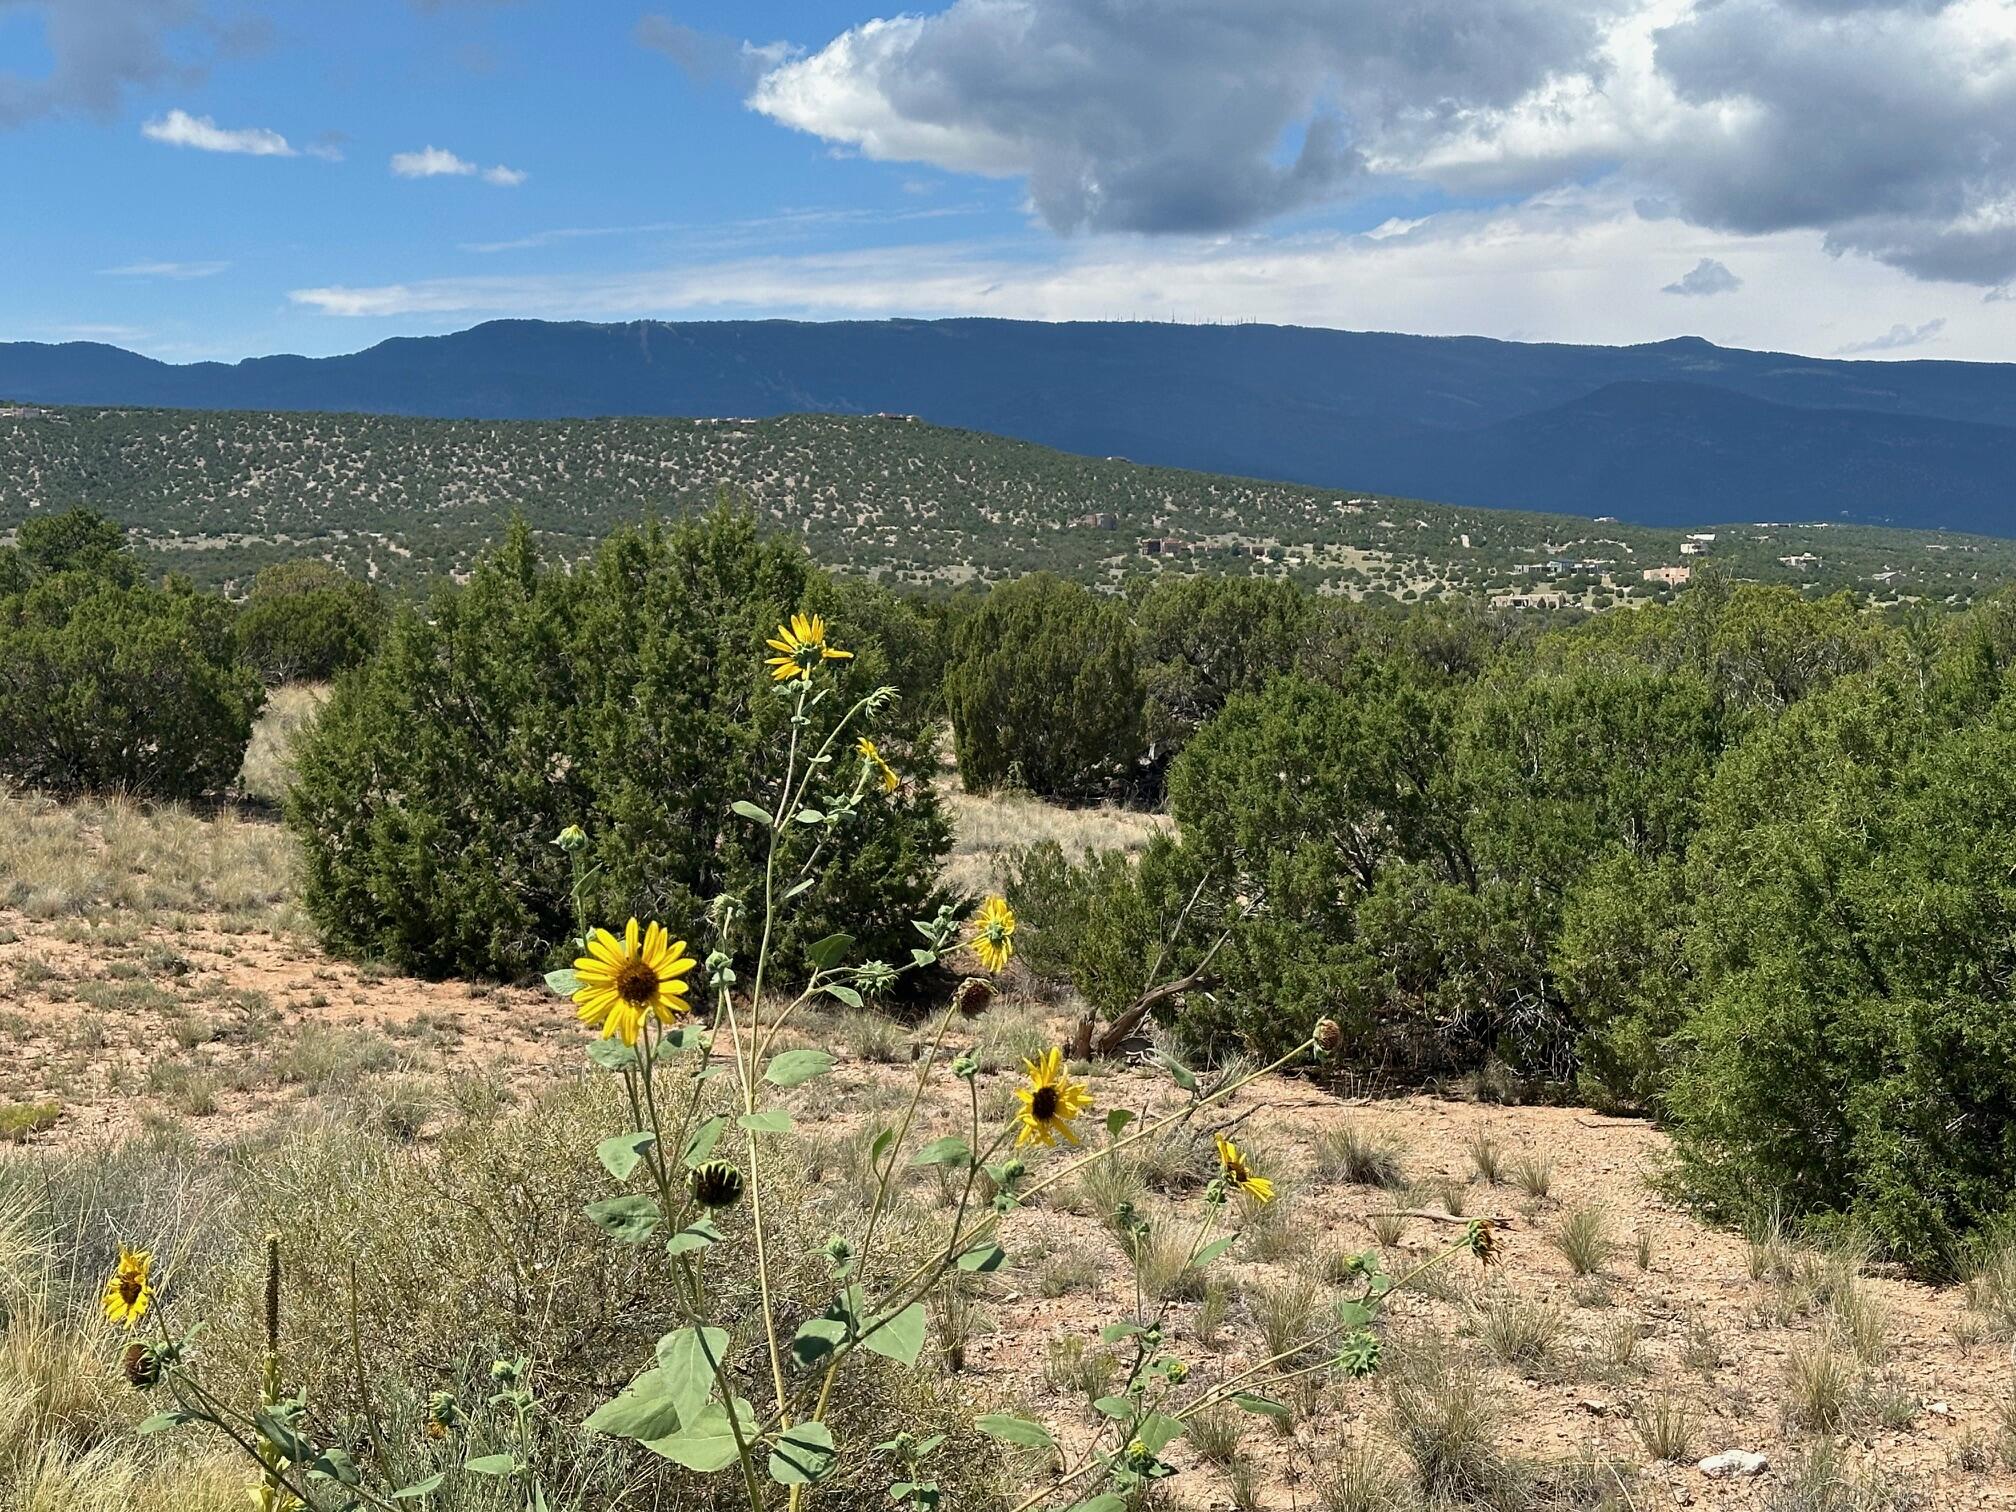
(994, 935)
(1238, 1175)
(128, 1294)
(801, 646)
(1049, 1102)
(873, 756)
(624, 981)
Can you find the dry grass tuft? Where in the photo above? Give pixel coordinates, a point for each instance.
(115, 856)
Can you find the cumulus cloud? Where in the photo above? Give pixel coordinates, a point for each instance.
(1212, 118)
(439, 162)
(178, 128)
(1897, 338)
(1887, 127)
(1706, 277)
(99, 49)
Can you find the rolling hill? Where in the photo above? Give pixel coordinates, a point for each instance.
(216, 495)
(1677, 432)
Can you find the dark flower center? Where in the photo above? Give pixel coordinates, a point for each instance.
(637, 984)
(1043, 1106)
(129, 1289)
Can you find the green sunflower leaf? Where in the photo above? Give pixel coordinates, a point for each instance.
(984, 1258)
(611, 1054)
(1107, 1503)
(1157, 1432)
(700, 1147)
(695, 1236)
(951, 1150)
(829, 952)
(620, 1153)
(798, 887)
(898, 1337)
(767, 1121)
(752, 813)
(628, 1220)
(1113, 1333)
(491, 1464)
(707, 1444)
(419, 1489)
(566, 981)
(817, 1338)
(1011, 1429)
(1116, 1120)
(1212, 1251)
(809, 816)
(335, 1464)
(686, 1360)
(161, 1422)
(645, 1410)
(795, 1067)
(803, 1454)
(1118, 1408)
(842, 992)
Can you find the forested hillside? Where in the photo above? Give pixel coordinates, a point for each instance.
(218, 495)
(1666, 433)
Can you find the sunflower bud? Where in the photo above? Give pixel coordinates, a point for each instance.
(444, 1414)
(1359, 1355)
(571, 838)
(1329, 1036)
(1483, 1237)
(143, 1366)
(973, 995)
(717, 1184)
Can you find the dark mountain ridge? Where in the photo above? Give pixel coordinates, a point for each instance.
(1676, 432)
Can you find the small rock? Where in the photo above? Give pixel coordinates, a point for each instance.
(1733, 1462)
(1594, 1405)
(1940, 1409)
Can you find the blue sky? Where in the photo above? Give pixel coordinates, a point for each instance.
(204, 179)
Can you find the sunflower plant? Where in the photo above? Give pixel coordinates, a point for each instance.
(702, 1055)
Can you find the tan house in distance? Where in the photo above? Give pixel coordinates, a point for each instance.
(1672, 577)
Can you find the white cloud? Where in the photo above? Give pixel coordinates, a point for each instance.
(1577, 265)
(1888, 127)
(1706, 277)
(1897, 338)
(178, 128)
(429, 162)
(439, 162)
(177, 270)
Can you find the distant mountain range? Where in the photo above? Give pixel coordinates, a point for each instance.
(1674, 433)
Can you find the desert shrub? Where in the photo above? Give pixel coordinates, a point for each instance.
(1108, 925)
(1205, 639)
(1854, 1040)
(1044, 692)
(307, 621)
(624, 698)
(76, 540)
(111, 686)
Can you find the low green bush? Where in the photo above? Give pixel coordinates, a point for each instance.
(306, 621)
(627, 697)
(108, 685)
(1044, 691)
